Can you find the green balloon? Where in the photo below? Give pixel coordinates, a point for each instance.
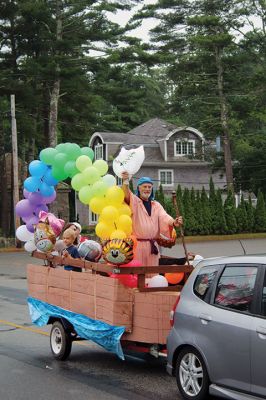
(47, 155)
(73, 151)
(59, 173)
(85, 194)
(91, 175)
(101, 166)
(61, 147)
(87, 151)
(82, 162)
(78, 181)
(99, 188)
(70, 168)
(60, 161)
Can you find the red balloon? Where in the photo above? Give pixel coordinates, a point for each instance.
(129, 280)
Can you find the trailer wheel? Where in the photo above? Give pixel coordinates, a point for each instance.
(60, 341)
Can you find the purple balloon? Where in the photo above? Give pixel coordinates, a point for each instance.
(50, 199)
(41, 207)
(24, 208)
(26, 193)
(31, 222)
(35, 198)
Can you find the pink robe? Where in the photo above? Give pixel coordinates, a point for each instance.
(148, 227)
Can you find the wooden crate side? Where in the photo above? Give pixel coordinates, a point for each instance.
(82, 304)
(115, 313)
(59, 278)
(37, 291)
(59, 297)
(83, 283)
(37, 274)
(111, 289)
(143, 335)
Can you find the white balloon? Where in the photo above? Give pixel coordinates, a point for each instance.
(23, 234)
(158, 281)
(30, 246)
(128, 161)
(109, 180)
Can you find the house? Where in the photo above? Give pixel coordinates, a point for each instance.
(173, 155)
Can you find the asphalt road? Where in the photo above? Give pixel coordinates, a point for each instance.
(28, 371)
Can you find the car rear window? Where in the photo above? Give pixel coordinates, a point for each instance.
(204, 280)
(235, 288)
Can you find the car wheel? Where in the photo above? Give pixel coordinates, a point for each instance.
(191, 375)
(60, 341)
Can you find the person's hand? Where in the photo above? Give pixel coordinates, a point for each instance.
(178, 221)
(125, 176)
(65, 254)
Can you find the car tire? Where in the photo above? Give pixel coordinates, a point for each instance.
(191, 375)
(60, 341)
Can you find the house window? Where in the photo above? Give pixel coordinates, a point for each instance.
(93, 218)
(184, 147)
(166, 177)
(98, 152)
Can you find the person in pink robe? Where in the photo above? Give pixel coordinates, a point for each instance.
(149, 220)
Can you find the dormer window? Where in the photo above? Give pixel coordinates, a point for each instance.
(184, 147)
(98, 152)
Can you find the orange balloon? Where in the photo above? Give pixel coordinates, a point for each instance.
(174, 277)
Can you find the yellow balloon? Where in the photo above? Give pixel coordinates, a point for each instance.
(103, 231)
(97, 204)
(124, 209)
(115, 196)
(124, 223)
(118, 234)
(109, 213)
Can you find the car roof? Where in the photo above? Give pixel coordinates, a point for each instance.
(243, 259)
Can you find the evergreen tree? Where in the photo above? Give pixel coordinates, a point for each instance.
(250, 215)
(159, 196)
(189, 218)
(230, 213)
(213, 206)
(241, 216)
(199, 214)
(206, 213)
(260, 214)
(220, 223)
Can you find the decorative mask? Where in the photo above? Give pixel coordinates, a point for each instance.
(118, 251)
(44, 237)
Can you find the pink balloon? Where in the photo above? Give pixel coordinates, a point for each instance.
(55, 223)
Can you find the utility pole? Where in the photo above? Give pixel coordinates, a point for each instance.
(14, 164)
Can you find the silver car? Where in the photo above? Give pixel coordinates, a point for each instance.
(217, 344)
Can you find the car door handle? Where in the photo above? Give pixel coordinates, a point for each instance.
(261, 330)
(205, 318)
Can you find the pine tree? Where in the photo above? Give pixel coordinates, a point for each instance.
(230, 213)
(206, 213)
(250, 214)
(260, 214)
(220, 223)
(241, 216)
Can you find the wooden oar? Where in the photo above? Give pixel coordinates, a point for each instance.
(181, 227)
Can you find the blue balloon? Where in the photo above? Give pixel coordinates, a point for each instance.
(32, 183)
(37, 168)
(46, 190)
(48, 178)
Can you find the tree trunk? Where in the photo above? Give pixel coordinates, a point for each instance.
(4, 214)
(56, 86)
(224, 121)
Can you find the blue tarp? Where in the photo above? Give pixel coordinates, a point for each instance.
(107, 336)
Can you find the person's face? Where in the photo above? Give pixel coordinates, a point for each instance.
(75, 229)
(145, 191)
(68, 239)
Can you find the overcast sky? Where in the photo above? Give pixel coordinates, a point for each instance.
(122, 17)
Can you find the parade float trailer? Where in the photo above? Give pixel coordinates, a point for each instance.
(92, 305)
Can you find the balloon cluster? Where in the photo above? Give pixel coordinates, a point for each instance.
(95, 188)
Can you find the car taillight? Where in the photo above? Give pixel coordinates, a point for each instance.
(172, 312)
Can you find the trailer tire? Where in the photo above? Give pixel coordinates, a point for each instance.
(60, 341)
